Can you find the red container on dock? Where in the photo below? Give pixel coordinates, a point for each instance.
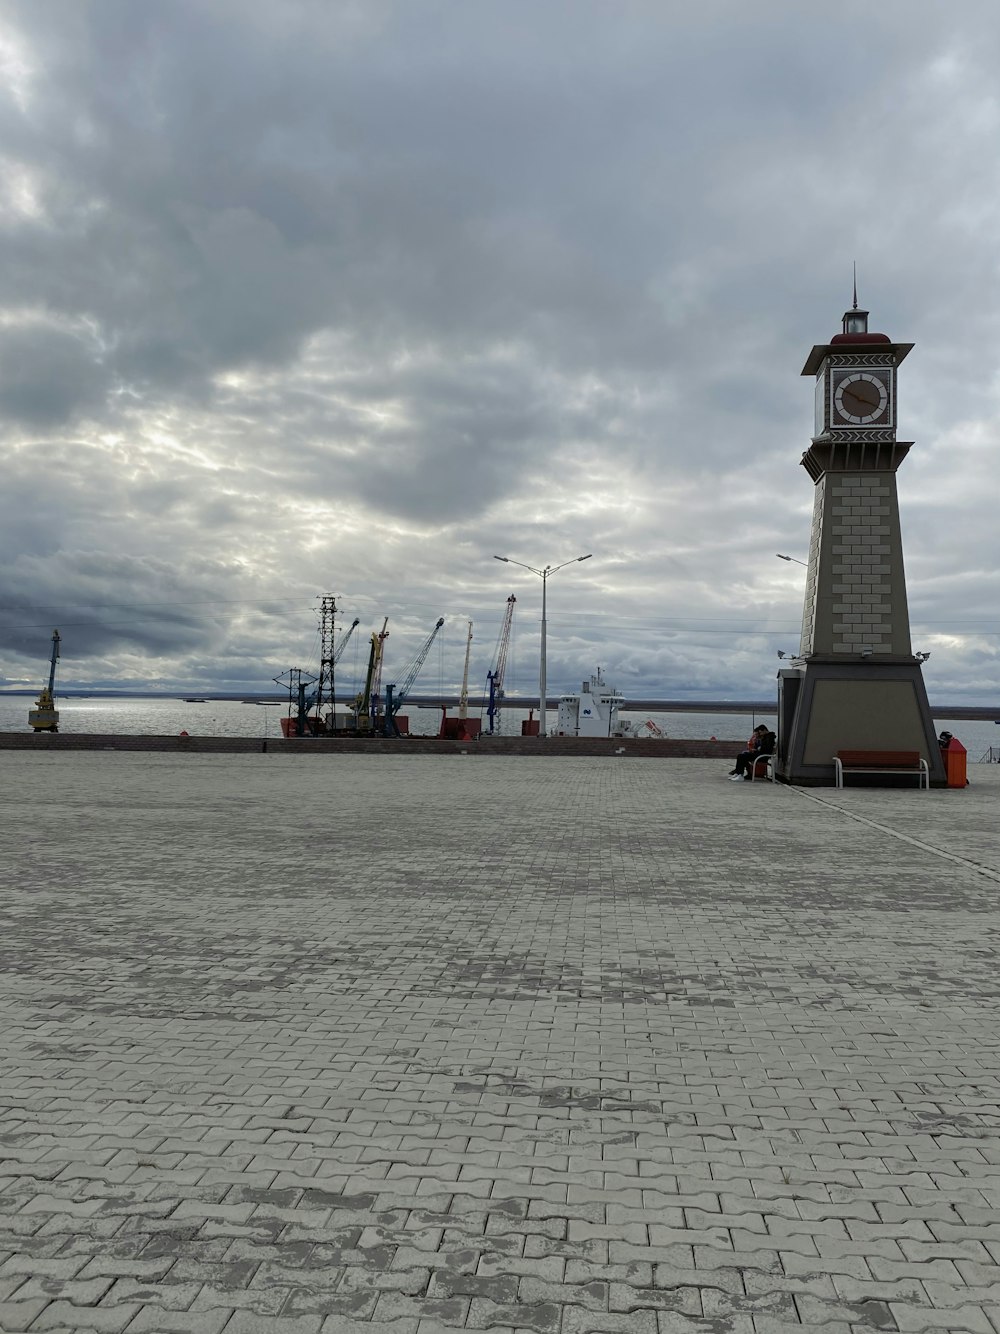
(953, 756)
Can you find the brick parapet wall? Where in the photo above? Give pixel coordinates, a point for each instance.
(626, 747)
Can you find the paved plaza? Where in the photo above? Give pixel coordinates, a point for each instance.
(415, 1044)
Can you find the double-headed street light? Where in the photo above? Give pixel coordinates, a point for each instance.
(544, 576)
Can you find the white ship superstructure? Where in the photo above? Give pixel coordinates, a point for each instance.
(592, 712)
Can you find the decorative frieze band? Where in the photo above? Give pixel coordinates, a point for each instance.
(870, 435)
(861, 359)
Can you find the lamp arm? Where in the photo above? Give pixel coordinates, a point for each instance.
(551, 569)
(508, 561)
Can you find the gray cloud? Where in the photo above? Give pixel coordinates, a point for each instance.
(47, 376)
(350, 297)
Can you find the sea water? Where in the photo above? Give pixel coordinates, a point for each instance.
(117, 716)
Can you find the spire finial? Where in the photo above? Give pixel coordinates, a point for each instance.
(855, 320)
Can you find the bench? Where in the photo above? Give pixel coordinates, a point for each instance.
(767, 761)
(881, 762)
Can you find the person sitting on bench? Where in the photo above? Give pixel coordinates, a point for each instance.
(760, 743)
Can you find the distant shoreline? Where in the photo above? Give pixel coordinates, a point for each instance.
(969, 712)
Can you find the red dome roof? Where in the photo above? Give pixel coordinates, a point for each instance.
(860, 338)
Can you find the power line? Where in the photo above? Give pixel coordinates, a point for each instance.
(570, 622)
(279, 598)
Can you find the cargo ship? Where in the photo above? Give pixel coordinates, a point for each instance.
(592, 711)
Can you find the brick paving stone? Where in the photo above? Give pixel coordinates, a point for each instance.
(102, 1319)
(245, 1322)
(335, 1324)
(171, 1296)
(769, 1325)
(562, 1071)
(59, 1267)
(321, 1300)
(153, 1321)
(577, 1320)
(627, 1297)
(540, 1318)
(81, 1292)
(9, 1286)
(17, 1315)
(261, 1302)
(957, 1318)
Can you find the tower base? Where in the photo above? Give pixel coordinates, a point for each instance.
(825, 706)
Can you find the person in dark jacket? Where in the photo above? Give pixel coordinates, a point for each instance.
(760, 743)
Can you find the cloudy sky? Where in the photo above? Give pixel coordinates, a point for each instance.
(318, 297)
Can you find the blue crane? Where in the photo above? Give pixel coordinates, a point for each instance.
(494, 679)
(394, 696)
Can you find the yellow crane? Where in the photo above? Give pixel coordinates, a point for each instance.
(363, 703)
(44, 717)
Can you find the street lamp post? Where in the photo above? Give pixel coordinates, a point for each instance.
(543, 721)
(794, 559)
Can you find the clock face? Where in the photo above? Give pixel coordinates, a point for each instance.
(861, 398)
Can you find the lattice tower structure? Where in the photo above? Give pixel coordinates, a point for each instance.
(325, 684)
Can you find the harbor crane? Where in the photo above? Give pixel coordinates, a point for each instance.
(461, 727)
(463, 702)
(494, 679)
(44, 717)
(298, 682)
(395, 695)
(338, 652)
(367, 701)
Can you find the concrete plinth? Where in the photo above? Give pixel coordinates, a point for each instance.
(831, 706)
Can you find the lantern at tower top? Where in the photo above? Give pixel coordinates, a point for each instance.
(855, 320)
(855, 336)
(855, 331)
(855, 323)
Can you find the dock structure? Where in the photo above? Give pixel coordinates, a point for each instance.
(561, 1045)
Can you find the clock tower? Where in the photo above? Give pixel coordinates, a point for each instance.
(856, 684)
